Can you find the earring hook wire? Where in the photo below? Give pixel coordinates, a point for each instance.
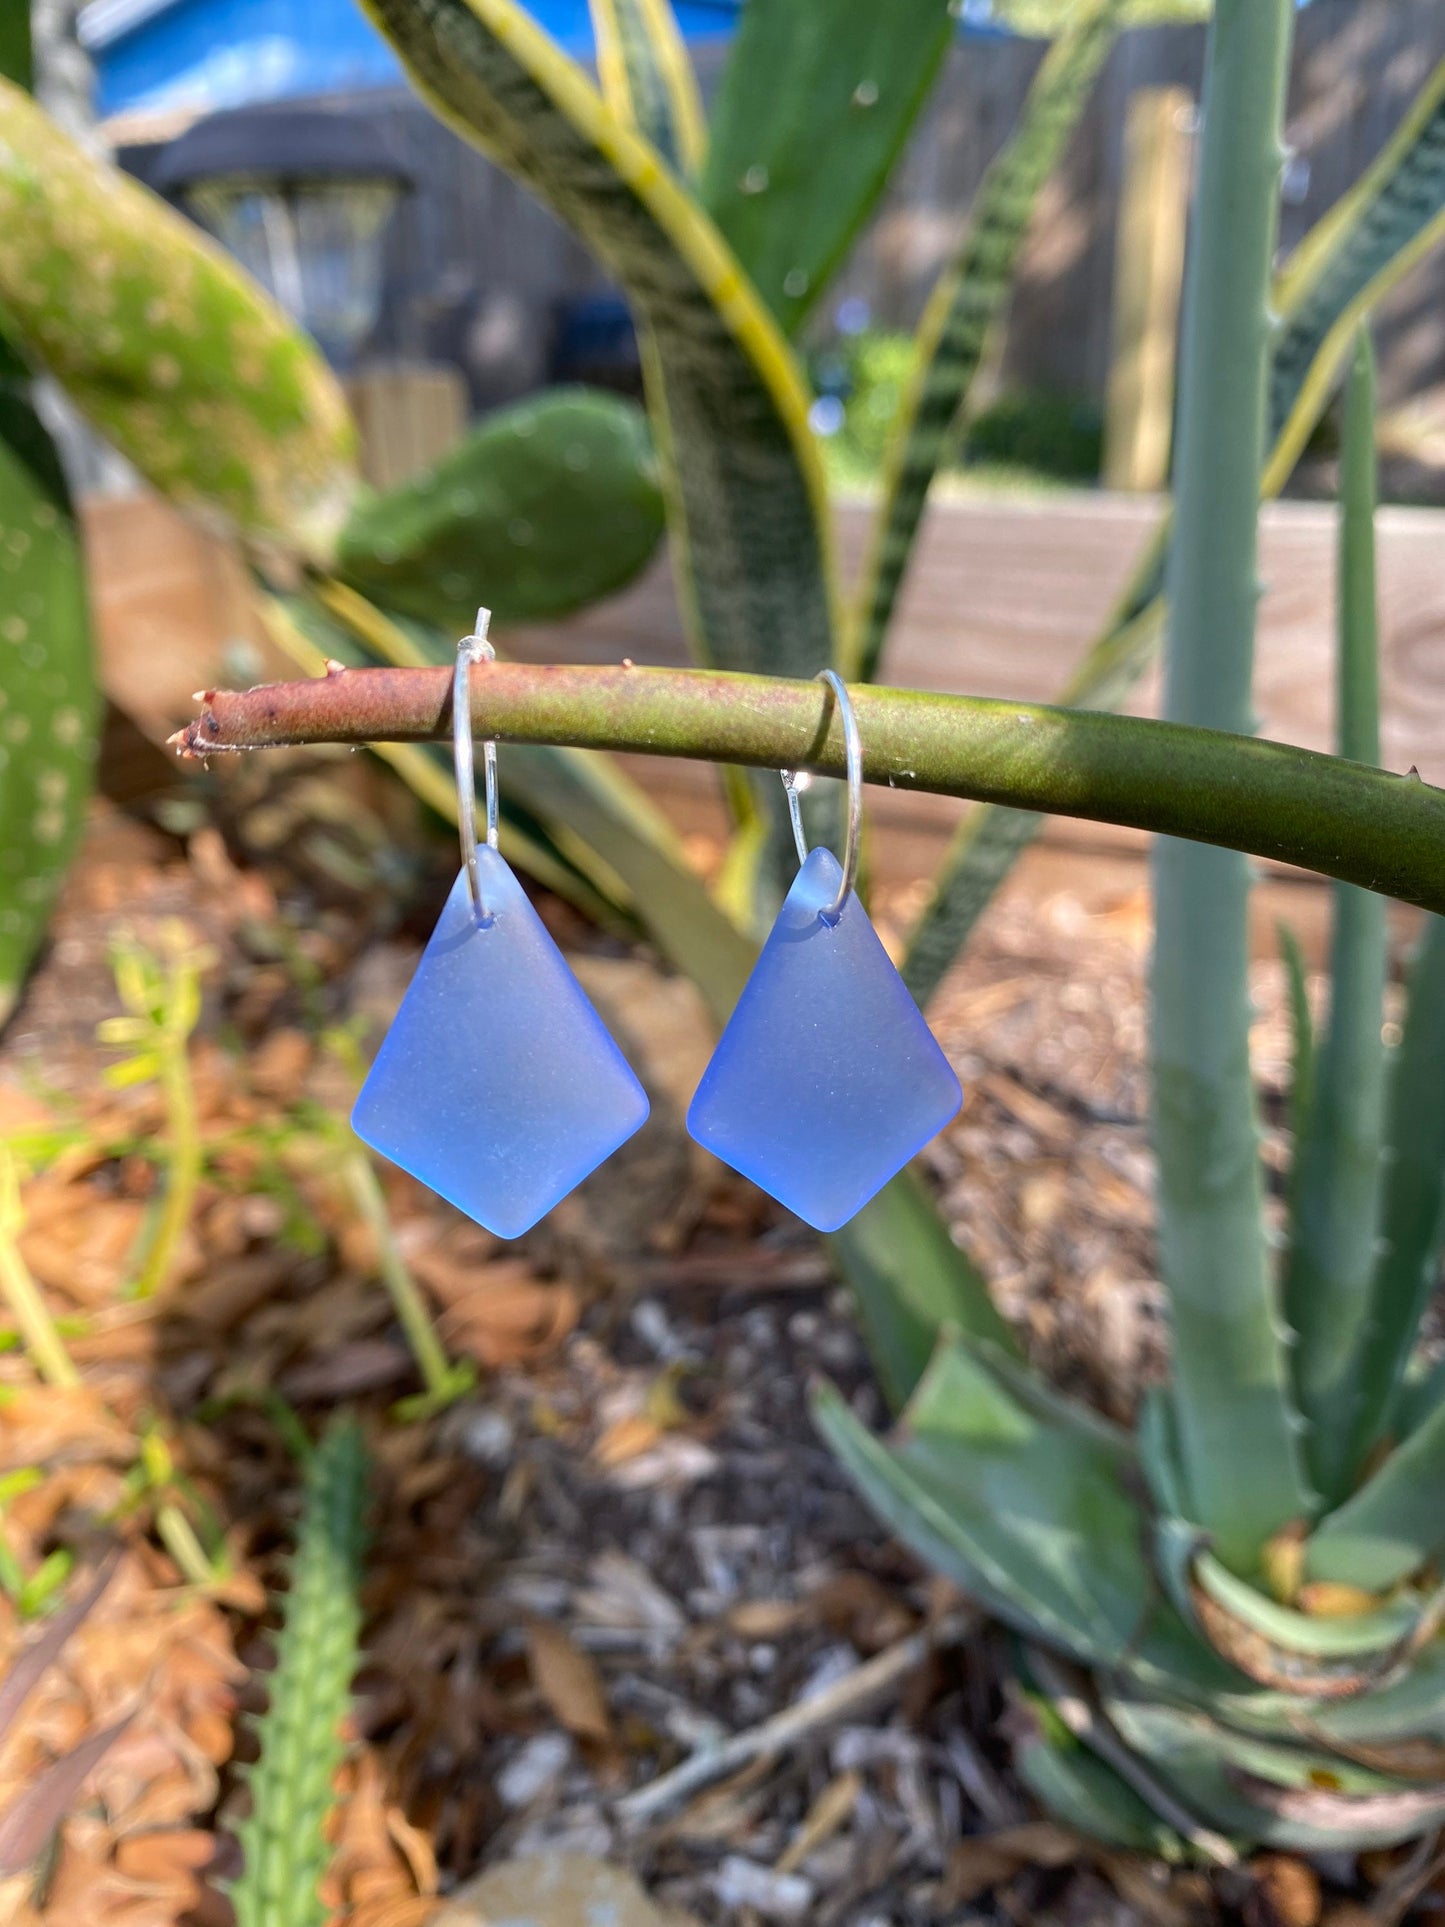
(795, 782)
(472, 649)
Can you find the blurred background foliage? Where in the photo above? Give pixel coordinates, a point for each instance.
(1259, 1642)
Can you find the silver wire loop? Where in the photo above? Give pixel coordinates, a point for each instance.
(795, 781)
(472, 648)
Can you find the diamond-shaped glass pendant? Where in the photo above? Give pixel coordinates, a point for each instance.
(498, 1085)
(827, 1080)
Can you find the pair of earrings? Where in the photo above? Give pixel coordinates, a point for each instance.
(500, 1088)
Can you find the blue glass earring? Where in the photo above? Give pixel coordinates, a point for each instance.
(826, 1080)
(498, 1084)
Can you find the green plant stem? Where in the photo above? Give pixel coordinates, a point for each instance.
(178, 1536)
(438, 1375)
(183, 1166)
(1237, 1437)
(1297, 806)
(42, 1341)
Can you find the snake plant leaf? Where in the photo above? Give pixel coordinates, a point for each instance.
(48, 699)
(647, 77)
(1237, 1432)
(745, 489)
(599, 823)
(284, 1839)
(1348, 262)
(1029, 1519)
(747, 503)
(176, 357)
(540, 509)
(1412, 1214)
(1046, 19)
(909, 1281)
(1376, 233)
(1394, 1524)
(1335, 1192)
(814, 107)
(967, 301)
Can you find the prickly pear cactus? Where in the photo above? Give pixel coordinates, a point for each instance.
(47, 691)
(543, 507)
(177, 358)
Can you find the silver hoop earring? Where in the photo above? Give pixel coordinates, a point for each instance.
(826, 1080)
(498, 1084)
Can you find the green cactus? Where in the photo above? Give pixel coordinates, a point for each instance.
(176, 357)
(543, 507)
(47, 691)
(284, 1839)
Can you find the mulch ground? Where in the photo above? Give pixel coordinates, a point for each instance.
(627, 1543)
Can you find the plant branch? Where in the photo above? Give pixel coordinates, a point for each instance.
(1361, 825)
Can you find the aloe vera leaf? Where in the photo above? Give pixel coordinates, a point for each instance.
(1244, 1784)
(814, 108)
(176, 357)
(968, 299)
(543, 507)
(1302, 1032)
(1083, 1793)
(1347, 263)
(1412, 1211)
(909, 1280)
(647, 77)
(601, 822)
(1336, 1189)
(1027, 1518)
(283, 1839)
(746, 497)
(1394, 1524)
(1237, 1434)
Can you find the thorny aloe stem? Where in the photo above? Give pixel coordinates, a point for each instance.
(1297, 806)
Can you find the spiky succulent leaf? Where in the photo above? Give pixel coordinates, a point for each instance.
(1336, 1186)
(283, 1840)
(48, 698)
(1082, 1792)
(745, 490)
(814, 107)
(1346, 264)
(647, 77)
(541, 508)
(1295, 1796)
(1395, 1523)
(967, 301)
(1302, 1031)
(1412, 1212)
(176, 357)
(1237, 1435)
(1024, 1516)
(909, 1281)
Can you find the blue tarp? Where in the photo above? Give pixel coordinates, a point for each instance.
(158, 55)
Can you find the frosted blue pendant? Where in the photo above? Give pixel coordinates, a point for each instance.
(827, 1080)
(498, 1084)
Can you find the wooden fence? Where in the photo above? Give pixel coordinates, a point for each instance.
(477, 273)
